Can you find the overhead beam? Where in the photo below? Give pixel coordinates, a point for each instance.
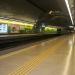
(35, 5)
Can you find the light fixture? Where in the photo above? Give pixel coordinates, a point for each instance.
(68, 7)
(50, 12)
(14, 22)
(71, 26)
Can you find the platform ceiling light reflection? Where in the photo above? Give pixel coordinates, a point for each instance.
(68, 7)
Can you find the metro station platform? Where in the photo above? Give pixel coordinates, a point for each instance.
(54, 56)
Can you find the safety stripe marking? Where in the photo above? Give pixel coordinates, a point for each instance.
(36, 61)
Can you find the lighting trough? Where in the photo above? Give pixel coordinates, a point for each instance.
(68, 7)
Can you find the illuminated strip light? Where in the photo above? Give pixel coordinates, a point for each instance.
(68, 7)
(14, 22)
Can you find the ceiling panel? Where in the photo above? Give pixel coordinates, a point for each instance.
(30, 9)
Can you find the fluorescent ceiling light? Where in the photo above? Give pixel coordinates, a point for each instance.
(14, 22)
(51, 12)
(68, 7)
(71, 26)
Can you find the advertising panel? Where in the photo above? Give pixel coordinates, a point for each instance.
(22, 27)
(14, 28)
(3, 28)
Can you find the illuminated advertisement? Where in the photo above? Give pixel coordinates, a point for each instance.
(22, 27)
(14, 28)
(3, 28)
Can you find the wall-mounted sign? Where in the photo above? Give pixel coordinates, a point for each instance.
(14, 28)
(3, 28)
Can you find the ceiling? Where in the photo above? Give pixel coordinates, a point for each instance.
(31, 10)
(47, 5)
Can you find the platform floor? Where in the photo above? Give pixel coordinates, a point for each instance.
(49, 57)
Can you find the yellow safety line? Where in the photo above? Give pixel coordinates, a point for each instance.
(29, 66)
